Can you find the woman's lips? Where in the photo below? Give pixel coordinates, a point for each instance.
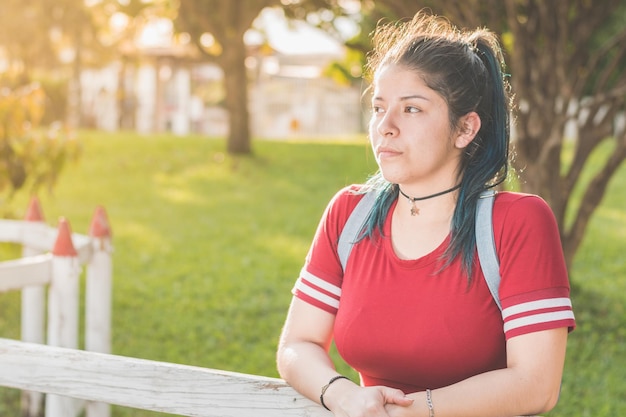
(385, 152)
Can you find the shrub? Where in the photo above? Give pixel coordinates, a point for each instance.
(31, 156)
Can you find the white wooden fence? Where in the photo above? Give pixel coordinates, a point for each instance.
(52, 263)
(148, 385)
(92, 379)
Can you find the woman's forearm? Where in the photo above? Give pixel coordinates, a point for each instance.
(498, 393)
(302, 355)
(306, 367)
(529, 385)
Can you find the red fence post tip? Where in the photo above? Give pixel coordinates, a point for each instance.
(34, 212)
(100, 227)
(64, 246)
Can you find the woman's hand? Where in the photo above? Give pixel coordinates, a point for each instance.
(304, 363)
(398, 410)
(350, 400)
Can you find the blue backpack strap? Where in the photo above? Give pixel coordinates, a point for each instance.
(353, 227)
(486, 244)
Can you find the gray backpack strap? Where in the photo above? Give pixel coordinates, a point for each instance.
(486, 244)
(353, 227)
(485, 241)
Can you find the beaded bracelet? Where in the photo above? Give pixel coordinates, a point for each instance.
(429, 402)
(325, 387)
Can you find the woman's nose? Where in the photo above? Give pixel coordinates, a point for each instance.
(386, 126)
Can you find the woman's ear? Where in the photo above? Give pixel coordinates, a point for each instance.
(469, 125)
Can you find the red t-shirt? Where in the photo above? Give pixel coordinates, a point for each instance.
(410, 325)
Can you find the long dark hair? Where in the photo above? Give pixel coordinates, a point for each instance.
(466, 69)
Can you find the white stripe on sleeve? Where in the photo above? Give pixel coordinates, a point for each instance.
(325, 285)
(530, 306)
(318, 295)
(538, 318)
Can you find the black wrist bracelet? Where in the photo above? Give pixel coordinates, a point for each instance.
(325, 387)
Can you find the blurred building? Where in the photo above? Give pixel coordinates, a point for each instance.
(163, 88)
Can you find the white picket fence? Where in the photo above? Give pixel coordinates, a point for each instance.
(92, 379)
(51, 264)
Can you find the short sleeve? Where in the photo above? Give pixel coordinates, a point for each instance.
(534, 290)
(320, 279)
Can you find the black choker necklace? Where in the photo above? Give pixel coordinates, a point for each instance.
(414, 209)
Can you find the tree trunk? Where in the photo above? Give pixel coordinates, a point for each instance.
(73, 116)
(236, 87)
(550, 91)
(227, 22)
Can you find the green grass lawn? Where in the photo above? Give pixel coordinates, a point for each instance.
(208, 246)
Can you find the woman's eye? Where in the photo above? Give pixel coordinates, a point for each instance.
(377, 109)
(411, 109)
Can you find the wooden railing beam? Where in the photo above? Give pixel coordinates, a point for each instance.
(149, 385)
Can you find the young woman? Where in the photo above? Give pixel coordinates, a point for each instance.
(412, 312)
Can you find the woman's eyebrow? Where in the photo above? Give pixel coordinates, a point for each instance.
(404, 98)
(414, 96)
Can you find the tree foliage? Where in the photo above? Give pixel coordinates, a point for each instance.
(39, 40)
(30, 157)
(24, 36)
(42, 40)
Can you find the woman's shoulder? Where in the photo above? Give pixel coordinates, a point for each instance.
(522, 210)
(510, 200)
(341, 206)
(348, 197)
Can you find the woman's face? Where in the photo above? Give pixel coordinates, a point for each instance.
(410, 132)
